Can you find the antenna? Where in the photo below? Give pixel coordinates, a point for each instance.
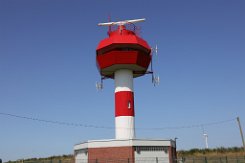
(99, 85)
(109, 28)
(156, 49)
(121, 22)
(155, 79)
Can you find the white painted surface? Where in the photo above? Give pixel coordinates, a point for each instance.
(123, 80)
(151, 156)
(81, 156)
(150, 142)
(123, 143)
(124, 127)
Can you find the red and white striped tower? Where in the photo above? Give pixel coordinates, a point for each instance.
(123, 56)
(124, 104)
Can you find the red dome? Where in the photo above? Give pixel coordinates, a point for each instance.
(123, 49)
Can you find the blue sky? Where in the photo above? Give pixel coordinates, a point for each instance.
(48, 71)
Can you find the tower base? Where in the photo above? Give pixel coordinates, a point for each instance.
(125, 151)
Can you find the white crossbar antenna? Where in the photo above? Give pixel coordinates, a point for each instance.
(121, 22)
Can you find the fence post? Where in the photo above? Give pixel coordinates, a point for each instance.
(205, 159)
(156, 159)
(60, 161)
(128, 160)
(226, 159)
(220, 160)
(96, 160)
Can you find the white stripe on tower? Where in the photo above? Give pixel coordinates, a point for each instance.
(124, 104)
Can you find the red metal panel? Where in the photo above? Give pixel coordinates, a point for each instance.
(143, 60)
(123, 57)
(124, 103)
(126, 37)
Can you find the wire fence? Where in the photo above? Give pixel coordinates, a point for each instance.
(111, 160)
(127, 160)
(214, 159)
(68, 160)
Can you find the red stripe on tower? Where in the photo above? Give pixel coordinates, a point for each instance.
(124, 103)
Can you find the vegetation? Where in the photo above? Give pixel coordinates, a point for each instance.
(221, 151)
(55, 159)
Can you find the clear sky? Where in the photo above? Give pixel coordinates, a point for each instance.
(48, 71)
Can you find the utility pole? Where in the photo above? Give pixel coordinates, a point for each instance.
(240, 127)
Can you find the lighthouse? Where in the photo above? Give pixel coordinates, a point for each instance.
(123, 56)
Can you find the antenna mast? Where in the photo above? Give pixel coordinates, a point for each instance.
(121, 22)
